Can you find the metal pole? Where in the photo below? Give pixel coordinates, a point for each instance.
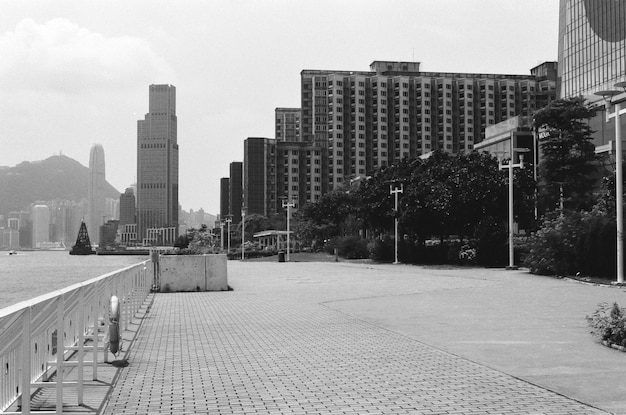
(395, 190)
(222, 234)
(243, 234)
(288, 215)
(511, 248)
(619, 195)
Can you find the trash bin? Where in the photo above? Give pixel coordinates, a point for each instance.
(281, 256)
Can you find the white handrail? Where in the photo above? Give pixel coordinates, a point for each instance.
(38, 336)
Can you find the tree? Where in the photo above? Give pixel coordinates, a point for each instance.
(333, 215)
(569, 161)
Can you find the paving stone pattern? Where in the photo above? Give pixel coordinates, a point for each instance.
(240, 353)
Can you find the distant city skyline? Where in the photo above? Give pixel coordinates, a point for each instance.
(76, 73)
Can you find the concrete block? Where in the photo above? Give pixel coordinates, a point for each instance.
(183, 273)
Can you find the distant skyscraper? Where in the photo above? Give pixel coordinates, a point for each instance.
(127, 207)
(224, 197)
(236, 190)
(96, 192)
(41, 225)
(157, 164)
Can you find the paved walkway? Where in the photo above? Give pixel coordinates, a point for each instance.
(309, 338)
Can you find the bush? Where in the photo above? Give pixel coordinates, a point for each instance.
(575, 242)
(608, 323)
(381, 250)
(491, 243)
(350, 247)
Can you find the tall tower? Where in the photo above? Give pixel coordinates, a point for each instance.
(157, 166)
(41, 225)
(95, 192)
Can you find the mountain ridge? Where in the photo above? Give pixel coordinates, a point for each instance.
(57, 177)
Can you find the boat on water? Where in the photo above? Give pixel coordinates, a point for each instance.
(82, 245)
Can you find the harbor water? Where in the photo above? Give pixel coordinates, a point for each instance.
(29, 274)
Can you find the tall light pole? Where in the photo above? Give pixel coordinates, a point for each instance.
(222, 233)
(243, 233)
(287, 204)
(619, 191)
(229, 220)
(511, 166)
(395, 190)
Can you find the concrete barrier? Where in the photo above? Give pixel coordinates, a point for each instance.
(183, 273)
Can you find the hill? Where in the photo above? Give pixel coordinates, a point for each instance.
(57, 177)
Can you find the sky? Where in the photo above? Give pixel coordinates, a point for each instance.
(75, 73)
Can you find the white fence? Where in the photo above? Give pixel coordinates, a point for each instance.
(43, 338)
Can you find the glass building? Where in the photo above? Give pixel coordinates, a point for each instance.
(592, 46)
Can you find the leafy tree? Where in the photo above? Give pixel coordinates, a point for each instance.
(568, 160)
(333, 215)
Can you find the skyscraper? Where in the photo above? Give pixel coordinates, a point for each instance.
(127, 207)
(236, 190)
(157, 166)
(96, 192)
(592, 46)
(592, 58)
(41, 225)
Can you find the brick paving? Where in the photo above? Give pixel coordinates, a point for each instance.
(272, 348)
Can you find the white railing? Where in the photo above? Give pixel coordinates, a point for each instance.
(44, 338)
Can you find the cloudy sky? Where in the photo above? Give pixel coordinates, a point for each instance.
(74, 73)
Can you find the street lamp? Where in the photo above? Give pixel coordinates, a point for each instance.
(222, 234)
(619, 196)
(511, 166)
(394, 190)
(229, 220)
(287, 204)
(243, 233)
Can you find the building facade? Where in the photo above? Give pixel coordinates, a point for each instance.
(287, 122)
(224, 197)
(592, 46)
(592, 58)
(366, 120)
(157, 167)
(41, 225)
(235, 191)
(96, 215)
(259, 175)
(127, 207)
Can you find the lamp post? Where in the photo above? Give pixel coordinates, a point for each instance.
(395, 190)
(222, 234)
(287, 204)
(243, 233)
(511, 166)
(229, 220)
(619, 195)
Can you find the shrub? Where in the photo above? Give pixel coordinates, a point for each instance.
(381, 250)
(608, 323)
(350, 247)
(491, 242)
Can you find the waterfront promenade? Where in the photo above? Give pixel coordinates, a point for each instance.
(345, 338)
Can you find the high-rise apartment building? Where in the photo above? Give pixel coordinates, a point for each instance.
(157, 167)
(259, 168)
(235, 191)
(366, 120)
(287, 123)
(96, 215)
